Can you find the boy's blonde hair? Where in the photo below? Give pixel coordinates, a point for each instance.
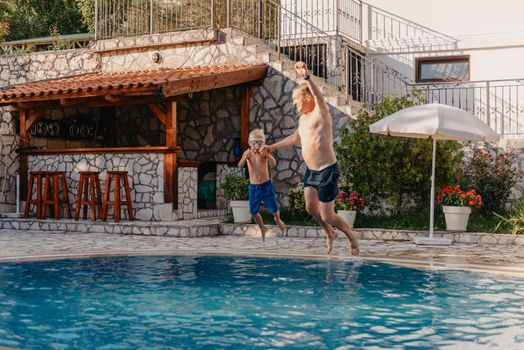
(257, 134)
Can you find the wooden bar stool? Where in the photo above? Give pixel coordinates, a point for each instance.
(89, 194)
(53, 180)
(37, 176)
(117, 176)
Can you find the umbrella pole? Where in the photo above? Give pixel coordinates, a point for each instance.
(432, 203)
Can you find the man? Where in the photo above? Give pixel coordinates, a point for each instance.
(315, 134)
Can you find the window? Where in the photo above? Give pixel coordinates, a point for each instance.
(442, 69)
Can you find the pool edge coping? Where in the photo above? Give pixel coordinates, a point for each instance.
(411, 263)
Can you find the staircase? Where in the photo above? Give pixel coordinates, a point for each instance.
(281, 34)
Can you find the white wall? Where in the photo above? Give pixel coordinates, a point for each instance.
(492, 33)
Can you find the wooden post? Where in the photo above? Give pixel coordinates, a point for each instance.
(24, 143)
(244, 118)
(170, 159)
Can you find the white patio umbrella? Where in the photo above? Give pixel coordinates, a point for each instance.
(440, 122)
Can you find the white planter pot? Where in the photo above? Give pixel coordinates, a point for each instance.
(241, 212)
(349, 216)
(456, 218)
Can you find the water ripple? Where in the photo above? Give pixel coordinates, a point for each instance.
(232, 302)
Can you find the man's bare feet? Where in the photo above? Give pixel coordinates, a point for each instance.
(263, 231)
(354, 251)
(330, 239)
(281, 226)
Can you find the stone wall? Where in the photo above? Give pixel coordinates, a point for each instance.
(208, 124)
(137, 126)
(145, 171)
(187, 192)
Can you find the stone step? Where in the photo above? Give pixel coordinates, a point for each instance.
(256, 50)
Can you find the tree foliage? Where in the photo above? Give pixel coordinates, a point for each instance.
(36, 18)
(393, 170)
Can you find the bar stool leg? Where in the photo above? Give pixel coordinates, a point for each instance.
(79, 198)
(66, 196)
(56, 197)
(98, 199)
(93, 198)
(28, 198)
(117, 199)
(39, 180)
(128, 198)
(106, 198)
(47, 185)
(85, 199)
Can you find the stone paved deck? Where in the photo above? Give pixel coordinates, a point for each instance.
(30, 245)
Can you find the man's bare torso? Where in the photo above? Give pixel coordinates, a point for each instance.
(258, 168)
(316, 138)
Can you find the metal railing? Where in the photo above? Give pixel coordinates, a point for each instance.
(115, 18)
(323, 35)
(499, 103)
(58, 42)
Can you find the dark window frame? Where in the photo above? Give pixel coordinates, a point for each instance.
(441, 59)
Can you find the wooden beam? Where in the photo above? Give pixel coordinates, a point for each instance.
(57, 95)
(244, 118)
(102, 150)
(34, 116)
(170, 160)
(158, 111)
(38, 105)
(25, 142)
(213, 81)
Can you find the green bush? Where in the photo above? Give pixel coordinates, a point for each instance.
(492, 178)
(33, 19)
(515, 220)
(395, 170)
(235, 187)
(297, 203)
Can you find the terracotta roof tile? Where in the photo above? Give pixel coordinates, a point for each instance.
(104, 82)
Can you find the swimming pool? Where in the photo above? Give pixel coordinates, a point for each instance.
(191, 302)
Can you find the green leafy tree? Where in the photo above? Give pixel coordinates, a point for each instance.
(35, 18)
(87, 10)
(393, 169)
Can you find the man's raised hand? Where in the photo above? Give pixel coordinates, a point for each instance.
(301, 69)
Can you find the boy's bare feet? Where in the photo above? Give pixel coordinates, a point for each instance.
(330, 239)
(263, 231)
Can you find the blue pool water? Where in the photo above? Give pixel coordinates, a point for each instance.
(230, 302)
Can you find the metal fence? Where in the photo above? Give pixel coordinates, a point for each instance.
(326, 35)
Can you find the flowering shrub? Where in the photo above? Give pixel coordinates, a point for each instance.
(455, 197)
(349, 201)
(492, 176)
(5, 29)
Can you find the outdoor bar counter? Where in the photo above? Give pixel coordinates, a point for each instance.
(145, 167)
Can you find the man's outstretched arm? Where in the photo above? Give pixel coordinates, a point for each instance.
(292, 139)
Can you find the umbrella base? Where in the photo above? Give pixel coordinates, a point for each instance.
(432, 241)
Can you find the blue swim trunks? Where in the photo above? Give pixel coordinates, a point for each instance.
(262, 193)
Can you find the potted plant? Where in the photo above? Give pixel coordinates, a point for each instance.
(235, 189)
(456, 205)
(348, 203)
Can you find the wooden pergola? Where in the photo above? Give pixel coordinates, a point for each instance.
(159, 89)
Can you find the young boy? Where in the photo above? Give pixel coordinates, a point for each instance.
(261, 188)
